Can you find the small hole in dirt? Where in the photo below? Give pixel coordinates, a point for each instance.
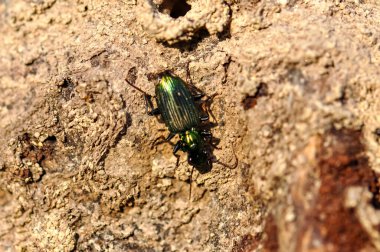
(377, 131)
(250, 101)
(51, 139)
(180, 9)
(174, 8)
(67, 89)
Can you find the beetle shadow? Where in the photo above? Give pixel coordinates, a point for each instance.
(211, 143)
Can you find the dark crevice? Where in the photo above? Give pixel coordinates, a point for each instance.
(226, 33)
(67, 90)
(191, 45)
(180, 9)
(174, 8)
(374, 188)
(51, 139)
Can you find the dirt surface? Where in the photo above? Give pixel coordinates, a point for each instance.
(297, 104)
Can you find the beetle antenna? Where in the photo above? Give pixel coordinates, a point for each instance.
(191, 181)
(137, 88)
(209, 100)
(188, 75)
(231, 167)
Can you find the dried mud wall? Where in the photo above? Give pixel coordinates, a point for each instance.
(298, 87)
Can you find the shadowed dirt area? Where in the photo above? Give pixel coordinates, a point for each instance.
(295, 87)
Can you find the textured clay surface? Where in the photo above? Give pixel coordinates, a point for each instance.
(296, 85)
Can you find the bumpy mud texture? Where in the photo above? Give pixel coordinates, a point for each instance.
(298, 87)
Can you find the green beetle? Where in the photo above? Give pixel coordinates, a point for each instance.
(180, 113)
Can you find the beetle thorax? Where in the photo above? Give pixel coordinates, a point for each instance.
(191, 139)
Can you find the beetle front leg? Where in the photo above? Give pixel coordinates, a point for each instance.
(176, 148)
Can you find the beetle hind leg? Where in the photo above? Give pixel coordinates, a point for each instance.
(149, 108)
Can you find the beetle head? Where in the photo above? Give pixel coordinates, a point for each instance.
(192, 140)
(198, 156)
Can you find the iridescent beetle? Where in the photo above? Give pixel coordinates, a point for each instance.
(180, 113)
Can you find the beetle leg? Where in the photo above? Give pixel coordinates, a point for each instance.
(163, 139)
(196, 92)
(208, 134)
(205, 104)
(170, 136)
(209, 162)
(208, 102)
(153, 112)
(214, 146)
(149, 105)
(204, 118)
(176, 148)
(198, 96)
